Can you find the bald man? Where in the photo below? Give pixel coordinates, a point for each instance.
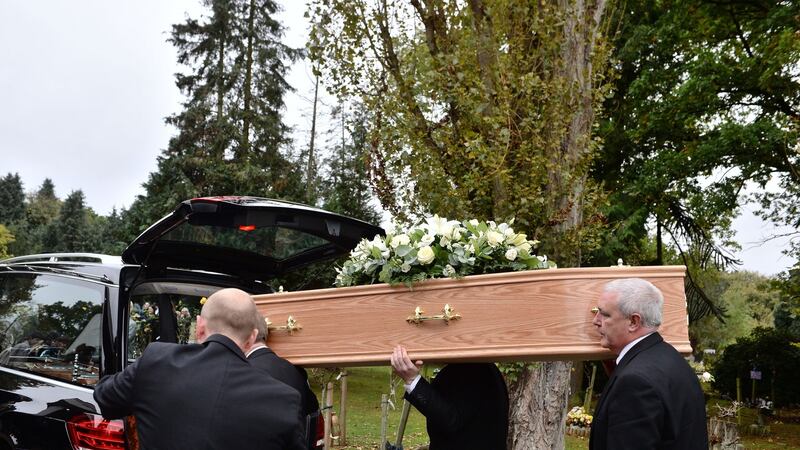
(206, 395)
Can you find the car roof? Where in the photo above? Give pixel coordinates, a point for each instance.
(90, 266)
(63, 257)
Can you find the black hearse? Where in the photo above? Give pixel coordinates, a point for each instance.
(68, 319)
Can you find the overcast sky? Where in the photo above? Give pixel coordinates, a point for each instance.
(85, 87)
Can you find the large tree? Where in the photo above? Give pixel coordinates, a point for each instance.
(345, 180)
(480, 109)
(12, 199)
(706, 102)
(41, 208)
(230, 134)
(71, 231)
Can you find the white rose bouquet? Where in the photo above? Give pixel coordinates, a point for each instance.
(439, 248)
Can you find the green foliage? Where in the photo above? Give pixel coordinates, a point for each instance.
(474, 109)
(787, 313)
(12, 199)
(5, 238)
(70, 232)
(41, 208)
(230, 131)
(66, 320)
(706, 99)
(770, 351)
(748, 301)
(345, 186)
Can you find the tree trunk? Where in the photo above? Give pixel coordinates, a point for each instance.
(248, 80)
(310, 166)
(539, 398)
(538, 402)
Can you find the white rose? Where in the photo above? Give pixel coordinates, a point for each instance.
(425, 255)
(518, 239)
(426, 240)
(511, 254)
(494, 238)
(381, 246)
(399, 240)
(434, 223)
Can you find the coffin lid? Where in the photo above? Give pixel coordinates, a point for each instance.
(248, 237)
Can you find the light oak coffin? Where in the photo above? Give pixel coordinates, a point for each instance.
(532, 315)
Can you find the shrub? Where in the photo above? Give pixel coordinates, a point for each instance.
(769, 351)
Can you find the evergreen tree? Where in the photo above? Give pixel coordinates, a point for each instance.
(111, 232)
(41, 209)
(71, 231)
(346, 187)
(43, 205)
(230, 133)
(12, 199)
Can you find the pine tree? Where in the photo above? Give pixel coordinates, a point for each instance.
(40, 208)
(12, 199)
(230, 132)
(346, 184)
(70, 232)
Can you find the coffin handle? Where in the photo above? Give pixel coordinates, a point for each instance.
(291, 326)
(448, 314)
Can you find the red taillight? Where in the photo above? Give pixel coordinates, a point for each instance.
(247, 227)
(91, 432)
(320, 434)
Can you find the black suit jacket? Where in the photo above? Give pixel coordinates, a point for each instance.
(466, 407)
(202, 396)
(653, 400)
(282, 370)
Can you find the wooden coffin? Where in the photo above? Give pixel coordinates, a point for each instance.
(519, 316)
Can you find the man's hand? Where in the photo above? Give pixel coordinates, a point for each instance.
(403, 366)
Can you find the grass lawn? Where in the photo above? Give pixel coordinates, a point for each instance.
(366, 384)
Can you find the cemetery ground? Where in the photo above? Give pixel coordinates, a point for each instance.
(366, 384)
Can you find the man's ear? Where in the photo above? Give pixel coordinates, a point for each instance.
(250, 340)
(200, 331)
(635, 322)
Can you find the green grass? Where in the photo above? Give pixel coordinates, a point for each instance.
(364, 388)
(366, 384)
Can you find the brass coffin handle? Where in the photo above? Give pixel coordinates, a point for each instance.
(595, 310)
(448, 314)
(291, 326)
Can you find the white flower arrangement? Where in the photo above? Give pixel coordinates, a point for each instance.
(440, 248)
(578, 417)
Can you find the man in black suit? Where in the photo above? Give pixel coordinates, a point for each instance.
(263, 358)
(653, 399)
(205, 396)
(465, 406)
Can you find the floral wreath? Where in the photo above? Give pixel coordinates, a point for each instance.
(437, 248)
